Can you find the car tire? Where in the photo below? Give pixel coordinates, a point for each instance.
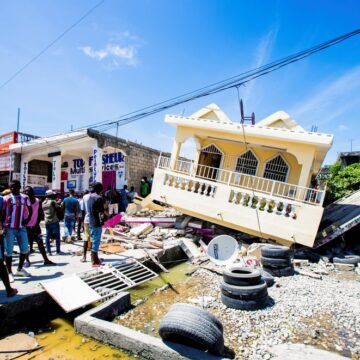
(241, 276)
(191, 330)
(275, 263)
(286, 271)
(268, 278)
(189, 308)
(247, 305)
(252, 292)
(275, 251)
(347, 259)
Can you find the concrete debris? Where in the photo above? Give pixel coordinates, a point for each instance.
(344, 267)
(190, 249)
(142, 229)
(22, 342)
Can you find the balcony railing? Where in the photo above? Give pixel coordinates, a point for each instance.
(235, 179)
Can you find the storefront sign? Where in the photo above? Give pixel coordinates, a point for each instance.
(24, 174)
(78, 167)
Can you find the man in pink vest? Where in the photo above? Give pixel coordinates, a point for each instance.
(33, 226)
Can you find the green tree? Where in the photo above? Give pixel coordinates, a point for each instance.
(344, 181)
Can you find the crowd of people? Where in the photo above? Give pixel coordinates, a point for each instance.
(22, 212)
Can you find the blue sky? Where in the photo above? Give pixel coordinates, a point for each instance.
(129, 54)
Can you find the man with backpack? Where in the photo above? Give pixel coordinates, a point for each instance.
(52, 223)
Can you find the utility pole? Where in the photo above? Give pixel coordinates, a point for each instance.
(18, 121)
(351, 140)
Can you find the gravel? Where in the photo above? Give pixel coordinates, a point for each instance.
(324, 313)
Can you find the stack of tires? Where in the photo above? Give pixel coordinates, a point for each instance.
(189, 325)
(243, 289)
(276, 260)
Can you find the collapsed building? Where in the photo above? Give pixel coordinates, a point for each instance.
(252, 178)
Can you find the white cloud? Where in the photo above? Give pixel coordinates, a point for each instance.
(343, 127)
(330, 100)
(113, 52)
(121, 49)
(262, 54)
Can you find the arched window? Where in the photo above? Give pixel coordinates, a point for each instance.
(211, 149)
(276, 169)
(247, 163)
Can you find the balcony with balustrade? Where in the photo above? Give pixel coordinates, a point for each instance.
(260, 206)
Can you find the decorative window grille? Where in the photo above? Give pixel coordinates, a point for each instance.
(211, 149)
(276, 169)
(247, 163)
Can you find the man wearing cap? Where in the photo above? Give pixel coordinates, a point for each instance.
(52, 223)
(16, 213)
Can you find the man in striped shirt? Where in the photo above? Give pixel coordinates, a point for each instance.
(16, 212)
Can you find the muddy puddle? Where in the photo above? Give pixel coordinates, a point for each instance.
(147, 315)
(60, 341)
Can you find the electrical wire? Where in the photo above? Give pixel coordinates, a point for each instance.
(47, 47)
(226, 84)
(246, 150)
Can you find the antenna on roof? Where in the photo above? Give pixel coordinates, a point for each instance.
(314, 128)
(246, 118)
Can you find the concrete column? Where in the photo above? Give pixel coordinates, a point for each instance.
(97, 164)
(24, 171)
(304, 177)
(175, 153)
(56, 173)
(86, 172)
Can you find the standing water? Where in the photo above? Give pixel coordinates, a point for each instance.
(60, 341)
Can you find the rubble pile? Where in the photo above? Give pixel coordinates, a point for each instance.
(301, 309)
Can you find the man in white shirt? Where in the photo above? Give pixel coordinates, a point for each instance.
(86, 214)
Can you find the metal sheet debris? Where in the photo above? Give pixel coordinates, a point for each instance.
(71, 292)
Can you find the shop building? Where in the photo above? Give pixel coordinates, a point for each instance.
(7, 159)
(76, 159)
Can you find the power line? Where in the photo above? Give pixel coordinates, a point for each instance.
(233, 82)
(226, 84)
(47, 47)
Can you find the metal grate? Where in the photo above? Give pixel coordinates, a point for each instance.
(211, 149)
(276, 169)
(247, 163)
(108, 281)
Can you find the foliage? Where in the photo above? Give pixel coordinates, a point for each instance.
(344, 181)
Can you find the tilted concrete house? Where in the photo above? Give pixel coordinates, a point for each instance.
(259, 183)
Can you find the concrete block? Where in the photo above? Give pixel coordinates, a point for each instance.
(92, 324)
(344, 267)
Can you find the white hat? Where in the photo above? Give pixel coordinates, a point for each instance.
(49, 193)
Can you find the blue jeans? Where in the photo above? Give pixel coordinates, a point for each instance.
(52, 231)
(21, 237)
(95, 234)
(69, 224)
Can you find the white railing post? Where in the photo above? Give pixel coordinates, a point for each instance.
(272, 188)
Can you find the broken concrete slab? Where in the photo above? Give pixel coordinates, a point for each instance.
(10, 345)
(142, 229)
(190, 248)
(344, 267)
